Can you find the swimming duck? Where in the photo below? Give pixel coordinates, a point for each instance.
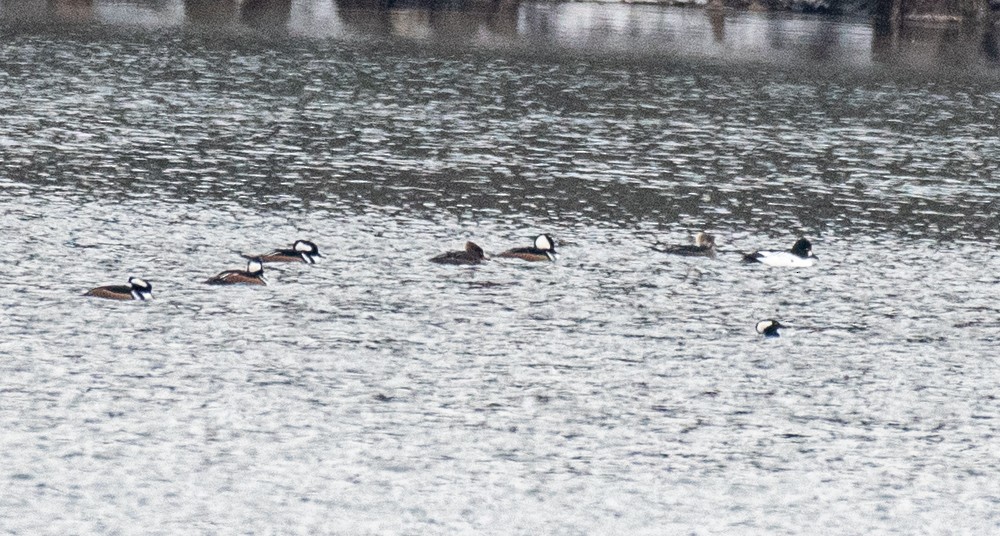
(253, 275)
(543, 250)
(301, 251)
(137, 289)
(799, 256)
(704, 246)
(768, 328)
(473, 254)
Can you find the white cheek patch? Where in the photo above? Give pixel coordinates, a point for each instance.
(763, 325)
(302, 246)
(542, 242)
(138, 282)
(254, 266)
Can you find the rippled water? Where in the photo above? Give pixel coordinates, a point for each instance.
(618, 390)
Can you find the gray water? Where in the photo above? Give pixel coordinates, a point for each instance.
(616, 391)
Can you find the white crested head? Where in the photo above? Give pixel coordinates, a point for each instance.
(304, 246)
(768, 327)
(138, 282)
(255, 265)
(544, 242)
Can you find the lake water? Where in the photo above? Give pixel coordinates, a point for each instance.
(617, 391)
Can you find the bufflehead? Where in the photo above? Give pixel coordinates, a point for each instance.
(253, 275)
(301, 251)
(137, 289)
(704, 246)
(799, 256)
(768, 328)
(543, 250)
(473, 254)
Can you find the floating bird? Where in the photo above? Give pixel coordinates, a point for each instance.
(301, 251)
(473, 254)
(137, 289)
(253, 275)
(543, 250)
(799, 256)
(768, 328)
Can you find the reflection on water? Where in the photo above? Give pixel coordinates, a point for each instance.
(603, 29)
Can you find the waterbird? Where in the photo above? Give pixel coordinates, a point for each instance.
(704, 246)
(768, 328)
(799, 256)
(253, 275)
(137, 289)
(544, 249)
(301, 251)
(473, 254)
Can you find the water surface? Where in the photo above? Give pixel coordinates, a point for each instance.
(618, 390)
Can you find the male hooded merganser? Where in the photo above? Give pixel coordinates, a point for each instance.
(768, 328)
(137, 289)
(543, 250)
(473, 254)
(799, 256)
(704, 246)
(301, 251)
(253, 275)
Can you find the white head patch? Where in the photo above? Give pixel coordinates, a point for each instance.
(763, 325)
(254, 266)
(542, 242)
(302, 246)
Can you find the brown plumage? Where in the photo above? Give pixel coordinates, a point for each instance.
(301, 251)
(473, 254)
(137, 289)
(704, 246)
(253, 275)
(543, 250)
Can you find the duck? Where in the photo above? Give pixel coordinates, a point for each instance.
(544, 249)
(768, 328)
(473, 254)
(253, 275)
(799, 256)
(137, 289)
(301, 251)
(704, 246)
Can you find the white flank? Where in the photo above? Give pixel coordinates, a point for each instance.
(785, 259)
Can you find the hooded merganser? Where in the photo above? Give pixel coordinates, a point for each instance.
(799, 256)
(704, 246)
(473, 254)
(543, 250)
(301, 251)
(137, 289)
(253, 275)
(768, 328)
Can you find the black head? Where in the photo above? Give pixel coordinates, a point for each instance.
(802, 248)
(141, 288)
(307, 250)
(769, 327)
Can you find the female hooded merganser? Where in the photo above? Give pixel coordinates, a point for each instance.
(768, 328)
(137, 289)
(704, 246)
(473, 254)
(799, 256)
(253, 275)
(301, 251)
(543, 250)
